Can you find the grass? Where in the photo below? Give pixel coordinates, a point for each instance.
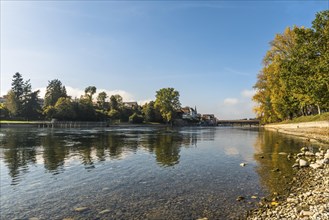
(18, 122)
(310, 118)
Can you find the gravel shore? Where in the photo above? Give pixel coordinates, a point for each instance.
(309, 192)
(313, 131)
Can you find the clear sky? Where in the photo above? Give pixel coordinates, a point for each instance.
(211, 52)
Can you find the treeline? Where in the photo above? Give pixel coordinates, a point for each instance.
(21, 103)
(294, 80)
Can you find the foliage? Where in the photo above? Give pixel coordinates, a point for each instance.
(114, 114)
(116, 102)
(167, 101)
(90, 91)
(136, 118)
(54, 91)
(4, 113)
(151, 113)
(295, 76)
(21, 101)
(64, 109)
(101, 101)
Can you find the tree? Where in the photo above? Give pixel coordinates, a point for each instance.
(17, 85)
(136, 118)
(12, 104)
(295, 78)
(167, 100)
(116, 102)
(101, 100)
(54, 91)
(64, 109)
(32, 108)
(21, 101)
(90, 91)
(151, 113)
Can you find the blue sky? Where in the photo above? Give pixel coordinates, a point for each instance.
(211, 52)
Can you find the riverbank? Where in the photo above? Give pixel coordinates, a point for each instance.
(313, 131)
(309, 192)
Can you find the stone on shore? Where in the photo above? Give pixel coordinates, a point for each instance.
(303, 163)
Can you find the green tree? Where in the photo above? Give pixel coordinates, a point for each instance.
(21, 101)
(136, 118)
(151, 113)
(17, 85)
(116, 102)
(54, 91)
(90, 91)
(101, 100)
(295, 76)
(64, 109)
(167, 100)
(12, 104)
(31, 106)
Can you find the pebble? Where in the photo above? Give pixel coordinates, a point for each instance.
(80, 209)
(104, 211)
(309, 197)
(303, 163)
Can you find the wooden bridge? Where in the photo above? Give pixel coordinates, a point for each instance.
(238, 122)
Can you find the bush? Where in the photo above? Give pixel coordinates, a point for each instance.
(136, 119)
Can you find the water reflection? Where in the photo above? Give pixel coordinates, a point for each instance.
(52, 148)
(274, 166)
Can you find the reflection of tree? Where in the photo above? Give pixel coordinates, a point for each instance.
(19, 147)
(268, 146)
(19, 151)
(54, 152)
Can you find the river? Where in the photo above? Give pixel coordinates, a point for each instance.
(141, 172)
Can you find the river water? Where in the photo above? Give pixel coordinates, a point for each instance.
(141, 172)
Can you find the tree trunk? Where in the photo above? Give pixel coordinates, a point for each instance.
(319, 110)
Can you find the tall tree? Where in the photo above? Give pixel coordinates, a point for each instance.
(54, 91)
(167, 100)
(90, 91)
(101, 100)
(295, 78)
(12, 104)
(21, 101)
(17, 85)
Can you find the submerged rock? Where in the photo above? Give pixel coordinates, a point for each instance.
(81, 209)
(104, 211)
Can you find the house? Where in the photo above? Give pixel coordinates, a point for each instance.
(189, 113)
(2, 99)
(130, 104)
(209, 119)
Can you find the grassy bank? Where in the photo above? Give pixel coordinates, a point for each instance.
(310, 118)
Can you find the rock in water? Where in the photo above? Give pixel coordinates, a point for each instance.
(104, 211)
(80, 209)
(303, 163)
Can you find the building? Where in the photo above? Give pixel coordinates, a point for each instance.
(209, 119)
(189, 113)
(130, 104)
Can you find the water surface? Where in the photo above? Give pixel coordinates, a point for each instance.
(140, 173)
